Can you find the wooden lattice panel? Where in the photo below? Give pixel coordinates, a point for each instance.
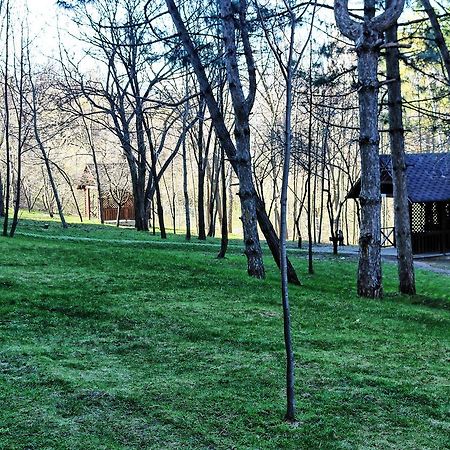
(418, 217)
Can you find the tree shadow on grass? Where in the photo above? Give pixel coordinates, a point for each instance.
(419, 300)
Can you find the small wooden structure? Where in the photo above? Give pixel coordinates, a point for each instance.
(428, 184)
(116, 192)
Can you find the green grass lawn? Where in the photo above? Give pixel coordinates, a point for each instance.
(113, 340)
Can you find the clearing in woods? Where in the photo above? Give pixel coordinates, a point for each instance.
(121, 345)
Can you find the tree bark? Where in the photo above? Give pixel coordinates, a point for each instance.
(397, 144)
(366, 36)
(369, 268)
(290, 362)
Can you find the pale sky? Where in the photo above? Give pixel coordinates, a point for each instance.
(45, 15)
(43, 20)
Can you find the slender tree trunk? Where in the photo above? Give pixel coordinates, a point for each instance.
(47, 166)
(119, 210)
(186, 194)
(308, 182)
(99, 186)
(75, 201)
(201, 204)
(230, 202)
(7, 127)
(397, 143)
(174, 203)
(185, 170)
(2, 205)
(290, 363)
(224, 228)
(213, 200)
(96, 168)
(15, 220)
(153, 217)
(160, 211)
(52, 181)
(201, 168)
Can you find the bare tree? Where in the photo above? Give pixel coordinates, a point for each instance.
(233, 20)
(22, 133)
(35, 112)
(7, 123)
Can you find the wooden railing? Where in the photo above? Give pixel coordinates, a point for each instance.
(388, 237)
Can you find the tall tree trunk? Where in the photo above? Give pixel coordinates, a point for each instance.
(51, 180)
(2, 204)
(290, 362)
(397, 144)
(201, 168)
(231, 202)
(185, 169)
(153, 217)
(214, 192)
(222, 132)
(7, 126)
(160, 211)
(369, 268)
(15, 220)
(366, 36)
(201, 204)
(224, 228)
(186, 194)
(99, 185)
(174, 204)
(247, 196)
(96, 168)
(309, 174)
(140, 213)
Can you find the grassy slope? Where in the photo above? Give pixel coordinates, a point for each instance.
(121, 345)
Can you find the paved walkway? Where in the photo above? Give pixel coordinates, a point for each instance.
(433, 262)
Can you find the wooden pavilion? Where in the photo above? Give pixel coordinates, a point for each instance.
(428, 185)
(117, 198)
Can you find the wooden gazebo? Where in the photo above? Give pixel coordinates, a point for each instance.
(428, 184)
(117, 198)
